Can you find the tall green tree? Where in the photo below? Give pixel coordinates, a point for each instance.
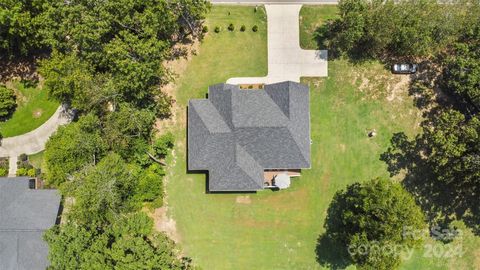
(461, 74)
(407, 28)
(20, 26)
(442, 166)
(129, 243)
(127, 39)
(72, 147)
(366, 217)
(127, 130)
(102, 192)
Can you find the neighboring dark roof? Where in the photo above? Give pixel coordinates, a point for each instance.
(236, 134)
(24, 216)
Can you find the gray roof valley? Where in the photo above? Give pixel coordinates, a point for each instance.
(236, 134)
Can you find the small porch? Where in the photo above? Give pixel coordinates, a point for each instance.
(279, 178)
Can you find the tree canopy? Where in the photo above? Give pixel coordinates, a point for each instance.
(71, 148)
(367, 218)
(462, 70)
(443, 166)
(407, 28)
(20, 26)
(129, 243)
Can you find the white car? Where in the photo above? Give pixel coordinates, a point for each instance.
(404, 68)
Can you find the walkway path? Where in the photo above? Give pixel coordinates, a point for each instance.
(33, 141)
(286, 60)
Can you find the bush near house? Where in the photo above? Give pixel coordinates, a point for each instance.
(25, 168)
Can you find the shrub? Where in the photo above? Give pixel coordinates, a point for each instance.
(204, 29)
(255, 28)
(7, 102)
(23, 157)
(217, 29)
(3, 172)
(4, 163)
(31, 172)
(22, 172)
(163, 144)
(242, 28)
(231, 27)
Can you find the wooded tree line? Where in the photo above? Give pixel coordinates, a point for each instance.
(442, 163)
(104, 60)
(389, 29)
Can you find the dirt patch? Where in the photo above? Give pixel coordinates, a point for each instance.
(243, 200)
(476, 262)
(342, 147)
(396, 88)
(37, 113)
(163, 223)
(176, 67)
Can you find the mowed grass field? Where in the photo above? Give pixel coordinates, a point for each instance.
(33, 109)
(279, 230)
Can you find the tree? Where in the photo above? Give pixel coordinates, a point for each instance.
(7, 102)
(125, 39)
(375, 29)
(461, 74)
(102, 192)
(71, 148)
(19, 27)
(373, 215)
(67, 78)
(442, 166)
(127, 129)
(129, 243)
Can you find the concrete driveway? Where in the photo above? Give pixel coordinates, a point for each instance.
(286, 60)
(33, 141)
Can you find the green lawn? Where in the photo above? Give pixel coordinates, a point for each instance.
(36, 159)
(33, 109)
(311, 18)
(278, 230)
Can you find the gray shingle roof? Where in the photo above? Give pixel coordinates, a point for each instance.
(24, 216)
(237, 134)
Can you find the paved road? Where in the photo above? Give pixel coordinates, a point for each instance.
(33, 141)
(286, 60)
(259, 2)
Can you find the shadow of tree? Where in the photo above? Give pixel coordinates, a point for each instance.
(440, 201)
(331, 254)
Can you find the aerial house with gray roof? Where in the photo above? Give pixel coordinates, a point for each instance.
(25, 214)
(249, 140)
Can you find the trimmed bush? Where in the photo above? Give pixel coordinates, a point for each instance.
(231, 27)
(217, 29)
(242, 28)
(31, 173)
(22, 172)
(204, 29)
(255, 28)
(7, 102)
(3, 172)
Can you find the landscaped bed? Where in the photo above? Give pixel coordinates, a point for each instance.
(33, 109)
(279, 230)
